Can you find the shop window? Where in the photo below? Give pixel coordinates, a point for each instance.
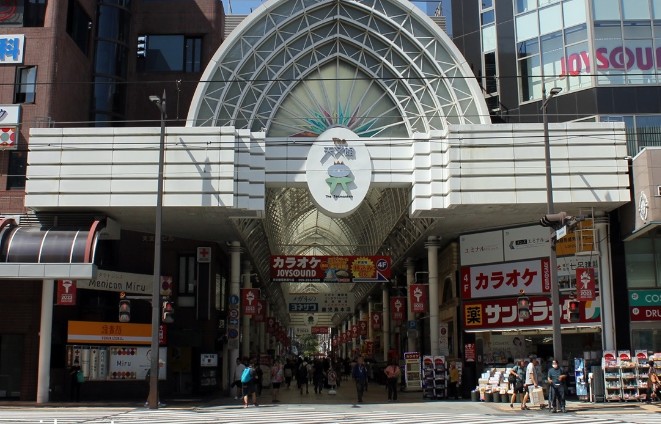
(18, 162)
(525, 5)
(26, 84)
(640, 263)
(23, 13)
(490, 73)
(79, 25)
(187, 281)
(169, 53)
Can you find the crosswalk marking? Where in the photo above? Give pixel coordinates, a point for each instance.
(296, 414)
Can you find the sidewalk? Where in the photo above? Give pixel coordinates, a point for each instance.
(575, 406)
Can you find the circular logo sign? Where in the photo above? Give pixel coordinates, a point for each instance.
(338, 172)
(643, 205)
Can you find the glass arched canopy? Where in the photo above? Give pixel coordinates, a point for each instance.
(294, 68)
(297, 67)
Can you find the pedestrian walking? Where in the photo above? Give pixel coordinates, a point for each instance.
(359, 374)
(556, 378)
(453, 381)
(289, 372)
(302, 377)
(393, 373)
(531, 381)
(248, 384)
(236, 379)
(277, 377)
(318, 376)
(516, 378)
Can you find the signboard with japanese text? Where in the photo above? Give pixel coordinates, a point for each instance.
(506, 279)
(12, 47)
(481, 248)
(526, 243)
(567, 245)
(93, 332)
(469, 352)
(319, 330)
(330, 269)
(398, 308)
(585, 285)
(502, 313)
(568, 265)
(325, 302)
(303, 307)
(376, 319)
(645, 305)
(249, 299)
(66, 293)
(418, 294)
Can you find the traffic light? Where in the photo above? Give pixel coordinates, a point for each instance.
(523, 307)
(168, 312)
(142, 46)
(554, 220)
(574, 310)
(124, 310)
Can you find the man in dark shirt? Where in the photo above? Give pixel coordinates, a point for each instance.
(556, 378)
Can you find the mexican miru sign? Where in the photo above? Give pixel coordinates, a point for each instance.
(338, 172)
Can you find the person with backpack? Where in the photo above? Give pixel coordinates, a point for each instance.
(515, 378)
(302, 377)
(248, 383)
(359, 374)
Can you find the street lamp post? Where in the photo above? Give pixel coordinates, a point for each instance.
(156, 285)
(555, 293)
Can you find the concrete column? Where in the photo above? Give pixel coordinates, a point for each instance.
(45, 336)
(385, 323)
(410, 279)
(602, 238)
(432, 245)
(235, 285)
(263, 342)
(245, 320)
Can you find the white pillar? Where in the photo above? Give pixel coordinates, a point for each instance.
(235, 285)
(432, 245)
(45, 338)
(245, 320)
(385, 322)
(602, 237)
(410, 279)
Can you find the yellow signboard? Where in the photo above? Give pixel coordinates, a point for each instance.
(581, 239)
(91, 332)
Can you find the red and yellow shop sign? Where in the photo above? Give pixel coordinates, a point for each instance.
(92, 332)
(502, 313)
(330, 269)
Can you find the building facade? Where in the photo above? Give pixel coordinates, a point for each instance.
(603, 55)
(250, 121)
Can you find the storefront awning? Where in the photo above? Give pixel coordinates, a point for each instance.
(33, 252)
(643, 230)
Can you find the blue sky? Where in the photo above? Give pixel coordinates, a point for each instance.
(243, 7)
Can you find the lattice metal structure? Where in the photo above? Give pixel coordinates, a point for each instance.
(295, 68)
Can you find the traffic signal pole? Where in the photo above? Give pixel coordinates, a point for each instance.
(555, 293)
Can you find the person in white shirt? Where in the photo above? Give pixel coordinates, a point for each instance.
(531, 380)
(236, 380)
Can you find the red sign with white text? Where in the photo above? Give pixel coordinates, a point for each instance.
(354, 331)
(398, 308)
(376, 319)
(318, 330)
(585, 285)
(506, 279)
(330, 269)
(261, 309)
(249, 298)
(362, 328)
(418, 294)
(66, 292)
(503, 313)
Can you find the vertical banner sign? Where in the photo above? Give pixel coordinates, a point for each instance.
(398, 308)
(376, 319)
(444, 339)
(585, 285)
(249, 298)
(270, 325)
(354, 331)
(203, 255)
(261, 307)
(66, 293)
(418, 294)
(362, 328)
(469, 352)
